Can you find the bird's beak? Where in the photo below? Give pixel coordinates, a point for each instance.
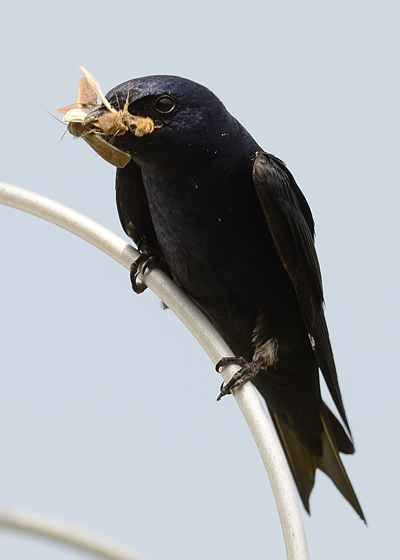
(107, 121)
(94, 115)
(102, 123)
(91, 130)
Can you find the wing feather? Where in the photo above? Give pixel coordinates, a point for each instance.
(291, 225)
(134, 212)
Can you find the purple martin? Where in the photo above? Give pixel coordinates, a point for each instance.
(228, 223)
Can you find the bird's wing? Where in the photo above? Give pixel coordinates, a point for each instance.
(134, 212)
(291, 225)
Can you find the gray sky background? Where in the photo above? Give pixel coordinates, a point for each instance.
(108, 417)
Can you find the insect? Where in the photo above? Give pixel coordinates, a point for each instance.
(84, 122)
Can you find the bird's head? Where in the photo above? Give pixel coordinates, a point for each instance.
(162, 120)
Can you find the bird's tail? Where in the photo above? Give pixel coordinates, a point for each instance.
(304, 463)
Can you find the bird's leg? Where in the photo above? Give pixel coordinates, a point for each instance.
(144, 261)
(247, 372)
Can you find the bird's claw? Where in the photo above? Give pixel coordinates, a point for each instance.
(141, 264)
(247, 372)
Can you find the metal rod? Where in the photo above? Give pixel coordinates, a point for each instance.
(249, 403)
(67, 533)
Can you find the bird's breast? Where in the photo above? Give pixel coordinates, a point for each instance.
(204, 226)
(216, 243)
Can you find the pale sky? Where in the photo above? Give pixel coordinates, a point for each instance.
(108, 412)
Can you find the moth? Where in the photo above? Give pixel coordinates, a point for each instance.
(84, 122)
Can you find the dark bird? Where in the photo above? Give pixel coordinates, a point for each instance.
(228, 223)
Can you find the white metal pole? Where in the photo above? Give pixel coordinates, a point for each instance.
(255, 415)
(67, 533)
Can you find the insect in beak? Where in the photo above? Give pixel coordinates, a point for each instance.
(92, 122)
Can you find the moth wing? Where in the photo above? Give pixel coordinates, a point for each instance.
(107, 151)
(96, 87)
(86, 95)
(64, 110)
(76, 115)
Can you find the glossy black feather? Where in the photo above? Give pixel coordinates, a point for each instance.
(229, 224)
(285, 210)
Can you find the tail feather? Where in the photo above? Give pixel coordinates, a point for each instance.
(331, 464)
(303, 462)
(344, 444)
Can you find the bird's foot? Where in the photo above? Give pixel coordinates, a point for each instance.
(247, 372)
(141, 264)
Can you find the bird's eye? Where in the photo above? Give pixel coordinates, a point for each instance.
(165, 104)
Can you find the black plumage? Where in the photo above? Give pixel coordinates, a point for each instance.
(229, 224)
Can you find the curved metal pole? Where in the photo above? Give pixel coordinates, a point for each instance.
(67, 533)
(246, 397)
